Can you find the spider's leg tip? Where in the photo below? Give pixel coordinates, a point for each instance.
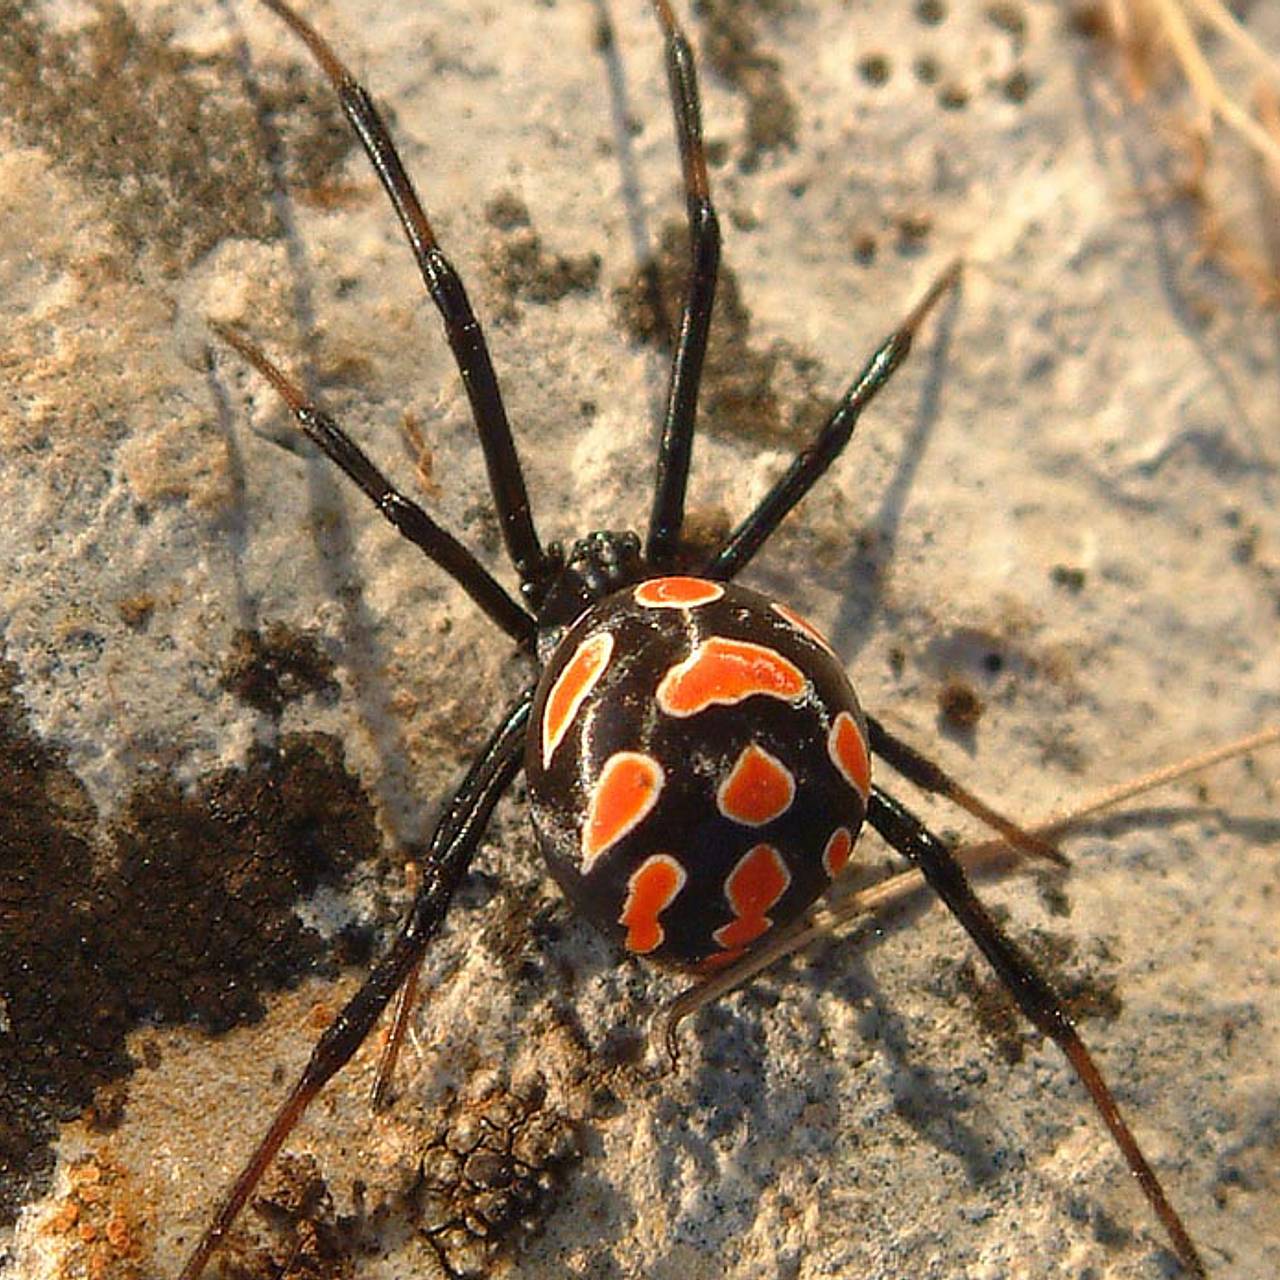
(664, 1043)
(948, 280)
(229, 334)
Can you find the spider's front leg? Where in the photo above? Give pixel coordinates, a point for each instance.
(812, 462)
(676, 449)
(535, 567)
(454, 841)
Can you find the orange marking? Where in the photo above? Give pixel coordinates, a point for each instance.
(651, 890)
(719, 960)
(570, 690)
(802, 624)
(758, 789)
(752, 887)
(628, 789)
(848, 751)
(677, 593)
(722, 672)
(835, 856)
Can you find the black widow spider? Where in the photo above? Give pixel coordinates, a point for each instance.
(697, 761)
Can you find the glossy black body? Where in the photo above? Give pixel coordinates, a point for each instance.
(696, 753)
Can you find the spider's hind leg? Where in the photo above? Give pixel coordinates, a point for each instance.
(1037, 1000)
(929, 776)
(455, 839)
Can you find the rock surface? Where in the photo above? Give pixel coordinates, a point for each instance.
(1051, 557)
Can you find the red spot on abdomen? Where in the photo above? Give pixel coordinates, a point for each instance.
(721, 672)
(752, 887)
(627, 790)
(677, 593)
(579, 677)
(758, 789)
(848, 750)
(835, 856)
(652, 888)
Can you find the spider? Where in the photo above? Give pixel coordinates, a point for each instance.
(697, 761)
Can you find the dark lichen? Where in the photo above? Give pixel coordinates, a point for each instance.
(269, 668)
(175, 162)
(766, 394)
(520, 265)
(179, 909)
(1087, 990)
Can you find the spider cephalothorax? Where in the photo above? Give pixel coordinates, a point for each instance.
(596, 566)
(697, 760)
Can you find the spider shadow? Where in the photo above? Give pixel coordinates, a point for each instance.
(329, 527)
(734, 1091)
(930, 1101)
(1251, 830)
(734, 1046)
(1149, 176)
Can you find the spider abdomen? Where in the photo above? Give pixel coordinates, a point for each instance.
(698, 767)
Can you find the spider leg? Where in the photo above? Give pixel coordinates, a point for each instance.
(409, 519)
(930, 777)
(995, 855)
(406, 999)
(678, 422)
(980, 858)
(811, 463)
(462, 329)
(879, 899)
(910, 837)
(453, 843)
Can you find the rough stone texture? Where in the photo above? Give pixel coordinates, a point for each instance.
(1052, 557)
